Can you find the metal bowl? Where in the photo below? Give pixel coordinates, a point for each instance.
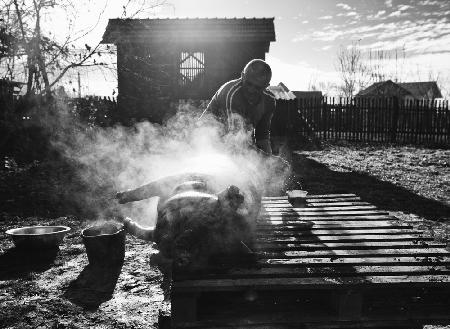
(38, 236)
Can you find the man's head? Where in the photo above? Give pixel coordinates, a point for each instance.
(255, 79)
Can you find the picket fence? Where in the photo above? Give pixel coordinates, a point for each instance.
(374, 120)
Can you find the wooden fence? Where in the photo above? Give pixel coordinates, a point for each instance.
(374, 120)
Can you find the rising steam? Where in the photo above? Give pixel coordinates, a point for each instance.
(120, 158)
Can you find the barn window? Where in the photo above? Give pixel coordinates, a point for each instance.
(191, 68)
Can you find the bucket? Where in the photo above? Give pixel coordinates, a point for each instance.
(105, 244)
(297, 198)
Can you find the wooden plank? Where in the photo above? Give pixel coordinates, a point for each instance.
(295, 320)
(324, 200)
(266, 202)
(308, 220)
(325, 213)
(331, 195)
(335, 261)
(319, 226)
(314, 205)
(381, 252)
(330, 224)
(361, 282)
(284, 197)
(315, 196)
(327, 232)
(319, 209)
(338, 203)
(338, 271)
(340, 238)
(319, 201)
(319, 216)
(347, 245)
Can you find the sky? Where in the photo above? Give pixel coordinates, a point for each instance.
(413, 36)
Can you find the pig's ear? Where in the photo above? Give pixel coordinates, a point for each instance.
(231, 198)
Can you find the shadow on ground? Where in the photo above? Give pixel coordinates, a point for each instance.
(16, 263)
(317, 178)
(94, 286)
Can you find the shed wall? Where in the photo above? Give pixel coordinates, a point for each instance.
(148, 75)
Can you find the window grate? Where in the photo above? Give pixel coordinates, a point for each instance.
(191, 68)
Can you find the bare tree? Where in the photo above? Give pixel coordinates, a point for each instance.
(326, 87)
(354, 72)
(442, 79)
(46, 59)
(387, 64)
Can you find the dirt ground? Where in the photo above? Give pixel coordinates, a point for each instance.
(412, 183)
(59, 290)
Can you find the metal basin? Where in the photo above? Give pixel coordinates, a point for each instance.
(38, 236)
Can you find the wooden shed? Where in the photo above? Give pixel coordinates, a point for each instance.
(160, 61)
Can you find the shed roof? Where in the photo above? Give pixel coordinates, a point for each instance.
(189, 29)
(421, 89)
(10, 83)
(417, 90)
(308, 94)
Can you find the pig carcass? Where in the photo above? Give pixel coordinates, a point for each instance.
(196, 225)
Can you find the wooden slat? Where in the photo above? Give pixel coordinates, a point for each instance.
(339, 238)
(283, 201)
(331, 196)
(319, 216)
(325, 200)
(343, 232)
(315, 205)
(332, 214)
(381, 252)
(347, 246)
(334, 223)
(316, 216)
(331, 225)
(319, 209)
(362, 282)
(322, 219)
(324, 213)
(313, 196)
(330, 271)
(335, 261)
(267, 198)
(341, 203)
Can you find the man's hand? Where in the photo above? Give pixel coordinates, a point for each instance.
(264, 145)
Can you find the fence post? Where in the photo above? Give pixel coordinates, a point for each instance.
(394, 122)
(323, 104)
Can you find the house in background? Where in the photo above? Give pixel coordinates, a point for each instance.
(286, 118)
(160, 61)
(9, 88)
(281, 92)
(407, 91)
(308, 94)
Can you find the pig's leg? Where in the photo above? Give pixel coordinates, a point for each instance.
(162, 187)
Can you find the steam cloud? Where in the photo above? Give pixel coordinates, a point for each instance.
(120, 158)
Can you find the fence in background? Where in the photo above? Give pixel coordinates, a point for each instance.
(374, 120)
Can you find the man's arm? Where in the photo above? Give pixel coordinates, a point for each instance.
(216, 107)
(262, 130)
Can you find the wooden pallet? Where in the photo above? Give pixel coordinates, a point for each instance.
(336, 262)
